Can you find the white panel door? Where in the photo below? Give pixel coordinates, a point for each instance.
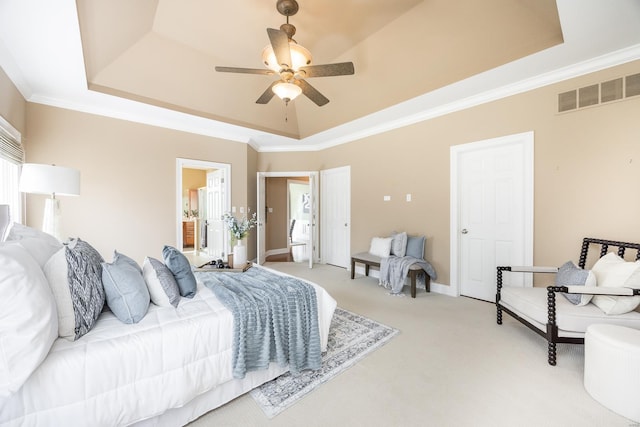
(494, 204)
(313, 202)
(261, 242)
(336, 220)
(216, 207)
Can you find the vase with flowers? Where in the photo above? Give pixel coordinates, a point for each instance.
(239, 229)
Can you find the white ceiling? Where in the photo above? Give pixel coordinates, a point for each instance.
(41, 50)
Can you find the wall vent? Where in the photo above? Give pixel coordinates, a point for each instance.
(588, 95)
(568, 101)
(633, 85)
(599, 93)
(611, 90)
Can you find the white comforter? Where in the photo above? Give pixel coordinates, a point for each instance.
(119, 374)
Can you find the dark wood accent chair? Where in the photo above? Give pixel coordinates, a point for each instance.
(552, 331)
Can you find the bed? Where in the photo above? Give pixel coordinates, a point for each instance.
(168, 369)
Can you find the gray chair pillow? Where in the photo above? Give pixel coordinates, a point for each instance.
(125, 288)
(415, 246)
(571, 275)
(181, 269)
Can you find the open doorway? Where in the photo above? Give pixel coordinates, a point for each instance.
(287, 219)
(282, 198)
(203, 195)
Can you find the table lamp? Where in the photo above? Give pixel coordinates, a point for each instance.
(54, 181)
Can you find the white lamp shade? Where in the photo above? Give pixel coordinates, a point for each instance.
(287, 91)
(300, 57)
(49, 179)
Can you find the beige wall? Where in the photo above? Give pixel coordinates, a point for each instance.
(128, 176)
(276, 230)
(587, 164)
(586, 170)
(13, 107)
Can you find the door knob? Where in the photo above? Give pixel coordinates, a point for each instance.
(464, 231)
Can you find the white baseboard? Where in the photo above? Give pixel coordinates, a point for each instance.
(276, 251)
(436, 287)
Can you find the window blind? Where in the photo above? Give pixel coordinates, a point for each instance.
(10, 149)
(11, 160)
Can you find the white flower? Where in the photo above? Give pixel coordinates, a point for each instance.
(239, 228)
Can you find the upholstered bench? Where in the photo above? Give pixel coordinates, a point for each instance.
(372, 260)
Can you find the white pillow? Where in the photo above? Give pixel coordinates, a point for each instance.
(40, 245)
(381, 246)
(19, 231)
(611, 271)
(28, 321)
(399, 244)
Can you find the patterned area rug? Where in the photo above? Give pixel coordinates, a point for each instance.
(351, 337)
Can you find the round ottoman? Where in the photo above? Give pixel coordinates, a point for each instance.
(612, 368)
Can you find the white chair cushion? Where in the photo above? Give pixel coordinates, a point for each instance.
(532, 302)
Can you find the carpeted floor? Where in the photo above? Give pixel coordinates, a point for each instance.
(451, 366)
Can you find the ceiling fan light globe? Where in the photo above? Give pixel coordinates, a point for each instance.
(287, 91)
(300, 57)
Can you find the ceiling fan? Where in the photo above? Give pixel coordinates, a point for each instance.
(292, 62)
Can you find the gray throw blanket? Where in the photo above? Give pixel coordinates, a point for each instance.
(275, 319)
(393, 271)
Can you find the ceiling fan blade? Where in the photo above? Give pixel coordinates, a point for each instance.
(267, 94)
(244, 70)
(312, 93)
(280, 44)
(327, 70)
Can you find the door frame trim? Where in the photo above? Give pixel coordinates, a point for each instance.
(526, 139)
(197, 164)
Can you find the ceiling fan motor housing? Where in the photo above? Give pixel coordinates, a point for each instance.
(287, 7)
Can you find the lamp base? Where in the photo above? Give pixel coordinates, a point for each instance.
(51, 219)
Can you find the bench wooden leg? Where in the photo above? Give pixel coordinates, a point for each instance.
(366, 269)
(412, 275)
(353, 268)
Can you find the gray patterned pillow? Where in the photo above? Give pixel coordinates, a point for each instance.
(399, 244)
(161, 283)
(75, 276)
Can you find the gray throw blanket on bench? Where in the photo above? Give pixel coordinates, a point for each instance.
(393, 271)
(275, 319)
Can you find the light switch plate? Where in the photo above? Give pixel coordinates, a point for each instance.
(233, 209)
(386, 198)
(408, 197)
(241, 209)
